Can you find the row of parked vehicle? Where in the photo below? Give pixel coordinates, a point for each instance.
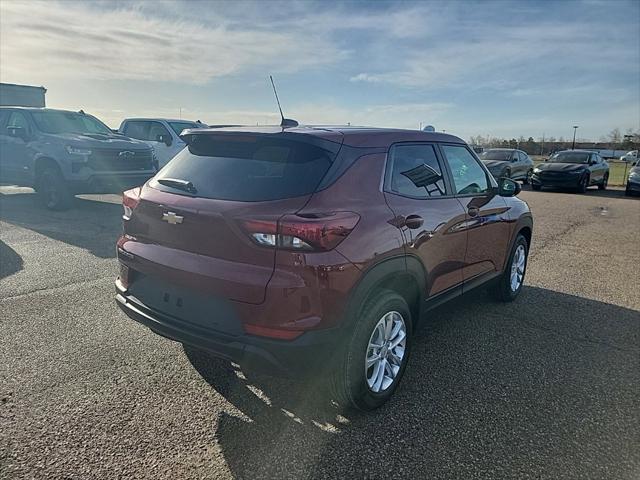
(63, 153)
(293, 250)
(577, 169)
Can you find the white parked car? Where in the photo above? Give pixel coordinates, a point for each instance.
(161, 133)
(631, 156)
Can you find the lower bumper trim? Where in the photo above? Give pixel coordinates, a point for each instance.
(309, 352)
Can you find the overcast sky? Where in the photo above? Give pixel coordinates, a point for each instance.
(504, 69)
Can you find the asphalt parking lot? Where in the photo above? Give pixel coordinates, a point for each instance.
(547, 387)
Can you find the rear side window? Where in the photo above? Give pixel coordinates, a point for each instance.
(416, 172)
(468, 176)
(138, 130)
(248, 167)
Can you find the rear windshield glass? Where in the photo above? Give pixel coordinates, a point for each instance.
(571, 157)
(247, 168)
(496, 155)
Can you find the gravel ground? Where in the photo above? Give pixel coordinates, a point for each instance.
(546, 387)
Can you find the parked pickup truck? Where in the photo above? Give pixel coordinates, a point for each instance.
(61, 153)
(163, 134)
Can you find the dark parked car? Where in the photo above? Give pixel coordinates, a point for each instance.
(62, 153)
(633, 180)
(509, 163)
(307, 250)
(578, 169)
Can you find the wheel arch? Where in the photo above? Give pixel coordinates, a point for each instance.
(404, 275)
(39, 164)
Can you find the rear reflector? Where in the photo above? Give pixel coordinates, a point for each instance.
(124, 275)
(321, 231)
(271, 332)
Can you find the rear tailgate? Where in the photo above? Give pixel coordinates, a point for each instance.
(207, 250)
(195, 240)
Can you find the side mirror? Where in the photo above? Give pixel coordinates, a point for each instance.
(508, 187)
(166, 139)
(17, 132)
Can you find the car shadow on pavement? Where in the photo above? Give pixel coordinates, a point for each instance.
(88, 224)
(593, 192)
(539, 387)
(10, 261)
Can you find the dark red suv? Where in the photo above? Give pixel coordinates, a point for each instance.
(309, 249)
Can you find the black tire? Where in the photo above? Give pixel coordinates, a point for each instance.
(605, 182)
(349, 385)
(536, 187)
(507, 173)
(503, 289)
(583, 183)
(52, 189)
(527, 178)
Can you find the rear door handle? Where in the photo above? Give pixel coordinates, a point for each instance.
(473, 211)
(413, 221)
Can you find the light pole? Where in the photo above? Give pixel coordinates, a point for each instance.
(573, 145)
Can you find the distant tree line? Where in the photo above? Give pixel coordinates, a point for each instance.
(615, 140)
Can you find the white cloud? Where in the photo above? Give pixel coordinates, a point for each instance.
(75, 40)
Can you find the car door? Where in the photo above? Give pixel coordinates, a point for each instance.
(597, 168)
(523, 165)
(163, 142)
(514, 164)
(4, 115)
(486, 213)
(153, 133)
(418, 192)
(14, 147)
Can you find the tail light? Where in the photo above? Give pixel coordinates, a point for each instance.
(130, 200)
(321, 231)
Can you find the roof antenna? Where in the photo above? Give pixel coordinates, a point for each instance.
(286, 122)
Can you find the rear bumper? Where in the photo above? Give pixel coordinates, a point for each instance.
(110, 182)
(308, 353)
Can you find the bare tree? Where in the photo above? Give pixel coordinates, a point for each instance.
(615, 136)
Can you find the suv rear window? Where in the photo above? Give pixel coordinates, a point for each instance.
(247, 167)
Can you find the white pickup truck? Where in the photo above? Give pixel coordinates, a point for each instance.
(163, 134)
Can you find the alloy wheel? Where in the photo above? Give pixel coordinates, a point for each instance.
(385, 352)
(517, 267)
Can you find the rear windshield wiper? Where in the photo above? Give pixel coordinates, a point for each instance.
(185, 185)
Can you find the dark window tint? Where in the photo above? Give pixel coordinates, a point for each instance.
(415, 171)
(248, 168)
(468, 176)
(523, 156)
(145, 130)
(501, 155)
(570, 157)
(138, 130)
(4, 114)
(155, 130)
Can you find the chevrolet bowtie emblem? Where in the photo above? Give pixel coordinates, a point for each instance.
(172, 218)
